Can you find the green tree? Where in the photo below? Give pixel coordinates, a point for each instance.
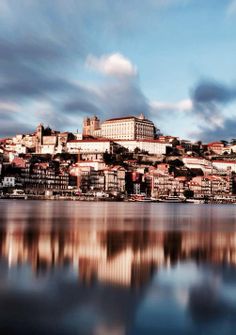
(188, 194)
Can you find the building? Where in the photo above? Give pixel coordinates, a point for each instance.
(39, 177)
(198, 163)
(123, 128)
(152, 147)
(90, 126)
(211, 186)
(90, 146)
(216, 147)
(225, 165)
(128, 128)
(9, 181)
(160, 183)
(91, 178)
(114, 179)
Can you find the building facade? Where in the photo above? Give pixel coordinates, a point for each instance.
(90, 146)
(128, 128)
(124, 128)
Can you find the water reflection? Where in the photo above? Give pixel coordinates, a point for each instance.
(69, 268)
(120, 258)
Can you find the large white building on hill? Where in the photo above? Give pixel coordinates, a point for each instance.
(123, 128)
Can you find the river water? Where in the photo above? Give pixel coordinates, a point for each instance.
(108, 268)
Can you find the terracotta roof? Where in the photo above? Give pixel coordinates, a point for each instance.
(90, 140)
(215, 143)
(224, 161)
(126, 118)
(143, 140)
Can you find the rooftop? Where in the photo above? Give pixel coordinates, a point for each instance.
(141, 117)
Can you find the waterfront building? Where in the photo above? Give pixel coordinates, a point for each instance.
(114, 179)
(160, 183)
(9, 181)
(39, 177)
(212, 185)
(91, 178)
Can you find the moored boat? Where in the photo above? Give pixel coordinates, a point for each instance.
(172, 199)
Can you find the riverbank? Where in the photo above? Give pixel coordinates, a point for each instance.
(91, 198)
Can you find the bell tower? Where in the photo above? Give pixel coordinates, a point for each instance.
(39, 137)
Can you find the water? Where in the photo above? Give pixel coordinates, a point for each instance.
(117, 268)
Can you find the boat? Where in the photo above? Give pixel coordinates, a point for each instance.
(140, 198)
(145, 200)
(18, 194)
(195, 201)
(172, 199)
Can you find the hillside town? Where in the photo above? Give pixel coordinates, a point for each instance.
(124, 158)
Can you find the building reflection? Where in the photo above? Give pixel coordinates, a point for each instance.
(126, 258)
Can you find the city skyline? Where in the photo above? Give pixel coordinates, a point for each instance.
(171, 60)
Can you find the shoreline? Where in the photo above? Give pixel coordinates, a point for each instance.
(126, 200)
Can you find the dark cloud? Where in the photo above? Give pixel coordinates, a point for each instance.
(225, 132)
(10, 127)
(209, 100)
(5, 115)
(118, 97)
(33, 86)
(82, 106)
(213, 92)
(41, 45)
(209, 97)
(125, 98)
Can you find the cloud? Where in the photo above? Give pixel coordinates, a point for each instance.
(213, 92)
(225, 131)
(179, 106)
(8, 107)
(124, 98)
(116, 98)
(11, 127)
(169, 3)
(231, 9)
(119, 94)
(113, 65)
(210, 102)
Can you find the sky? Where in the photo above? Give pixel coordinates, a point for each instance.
(173, 60)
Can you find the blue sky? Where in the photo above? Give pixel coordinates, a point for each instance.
(174, 60)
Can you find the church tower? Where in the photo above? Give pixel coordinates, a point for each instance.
(39, 138)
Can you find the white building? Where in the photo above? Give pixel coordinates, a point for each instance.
(224, 165)
(9, 182)
(96, 165)
(153, 147)
(128, 128)
(90, 146)
(17, 148)
(48, 149)
(198, 163)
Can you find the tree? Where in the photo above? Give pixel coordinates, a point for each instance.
(137, 150)
(176, 163)
(224, 142)
(188, 193)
